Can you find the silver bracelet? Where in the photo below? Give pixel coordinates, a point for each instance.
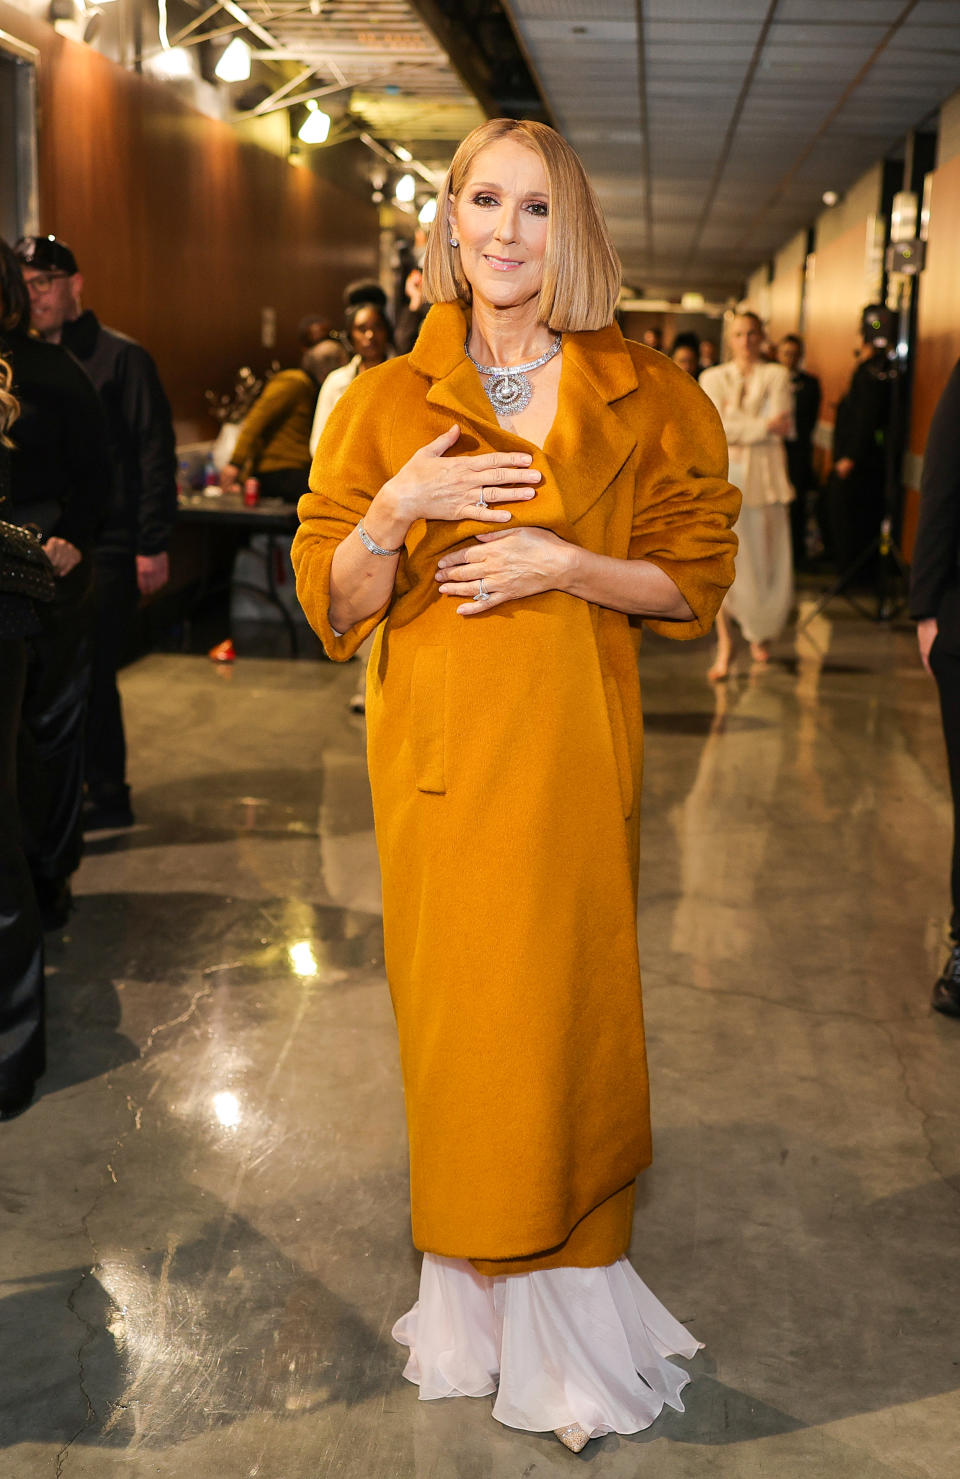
(375, 548)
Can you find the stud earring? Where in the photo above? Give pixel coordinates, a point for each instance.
(454, 242)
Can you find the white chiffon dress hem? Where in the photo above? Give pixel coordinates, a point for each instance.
(559, 1346)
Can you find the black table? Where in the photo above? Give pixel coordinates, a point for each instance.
(271, 516)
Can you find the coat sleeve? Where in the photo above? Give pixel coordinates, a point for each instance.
(149, 420)
(684, 510)
(85, 460)
(937, 549)
(350, 467)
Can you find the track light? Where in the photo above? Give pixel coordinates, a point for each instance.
(406, 189)
(234, 65)
(316, 126)
(428, 212)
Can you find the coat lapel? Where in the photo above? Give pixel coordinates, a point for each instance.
(589, 443)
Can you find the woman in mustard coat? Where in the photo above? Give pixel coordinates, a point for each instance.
(504, 505)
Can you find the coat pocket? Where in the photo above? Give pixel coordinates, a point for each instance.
(428, 707)
(621, 742)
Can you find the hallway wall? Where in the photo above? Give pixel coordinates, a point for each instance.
(842, 281)
(184, 230)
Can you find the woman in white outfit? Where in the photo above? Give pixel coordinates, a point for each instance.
(755, 401)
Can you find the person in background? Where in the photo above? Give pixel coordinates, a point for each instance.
(274, 440)
(799, 448)
(755, 403)
(413, 313)
(371, 335)
(59, 482)
(856, 494)
(131, 558)
(22, 1050)
(313, 329)
(708, 355)
(684, 353)
(935, 606)
(653, 338)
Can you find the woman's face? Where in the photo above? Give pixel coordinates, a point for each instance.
(746, 337)
(368, 335)
(686, 357)
(500, 219)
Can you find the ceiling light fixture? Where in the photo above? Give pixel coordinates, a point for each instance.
(406, 189)
(428, 212)
(402, 153)
(234, 65)
(174, 64)
(315, 128)
(829, 197)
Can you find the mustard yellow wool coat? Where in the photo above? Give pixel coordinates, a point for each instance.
(505, 757)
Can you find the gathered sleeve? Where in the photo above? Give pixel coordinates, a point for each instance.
(350, 467)
(684, 510)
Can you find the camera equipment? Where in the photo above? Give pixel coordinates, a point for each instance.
(887, 332)
(878, 326)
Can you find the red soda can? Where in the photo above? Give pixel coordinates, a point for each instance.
(251, 492)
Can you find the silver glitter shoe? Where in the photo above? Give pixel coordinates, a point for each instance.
(573, 1436)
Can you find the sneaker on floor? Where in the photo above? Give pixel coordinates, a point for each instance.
(946, 992)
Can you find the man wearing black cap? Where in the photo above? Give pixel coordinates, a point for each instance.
(131, 555)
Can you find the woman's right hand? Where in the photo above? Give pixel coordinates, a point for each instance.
(433, 486)
(780, 426)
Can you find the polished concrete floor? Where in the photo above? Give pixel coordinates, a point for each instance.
(204, 1228)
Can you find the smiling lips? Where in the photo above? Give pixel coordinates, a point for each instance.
(502, 264)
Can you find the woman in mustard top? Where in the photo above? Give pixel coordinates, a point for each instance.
(504, 506)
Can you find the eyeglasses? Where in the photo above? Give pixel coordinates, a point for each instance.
(43, 281)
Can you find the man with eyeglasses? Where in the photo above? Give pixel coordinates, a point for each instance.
(131, 553)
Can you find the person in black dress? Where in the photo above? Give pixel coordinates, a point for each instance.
(935, 606)
(857, 490)
(22, 1058)
(59, 481)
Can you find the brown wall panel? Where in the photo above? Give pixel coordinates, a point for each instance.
(835, 299)
(183, 231)
(786, 294)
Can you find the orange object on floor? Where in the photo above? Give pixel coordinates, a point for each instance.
(223, 652)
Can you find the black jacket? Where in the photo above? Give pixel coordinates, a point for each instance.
(59, 468)
(935, 575)
(143, 497)
(806, 404)
(863, 417)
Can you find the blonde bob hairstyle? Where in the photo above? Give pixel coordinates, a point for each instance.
(581, 269)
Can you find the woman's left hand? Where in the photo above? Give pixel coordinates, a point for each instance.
(512, 563)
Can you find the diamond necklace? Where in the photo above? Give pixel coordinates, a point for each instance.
(509, 390)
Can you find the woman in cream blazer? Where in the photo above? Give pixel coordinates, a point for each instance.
(755, 401)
